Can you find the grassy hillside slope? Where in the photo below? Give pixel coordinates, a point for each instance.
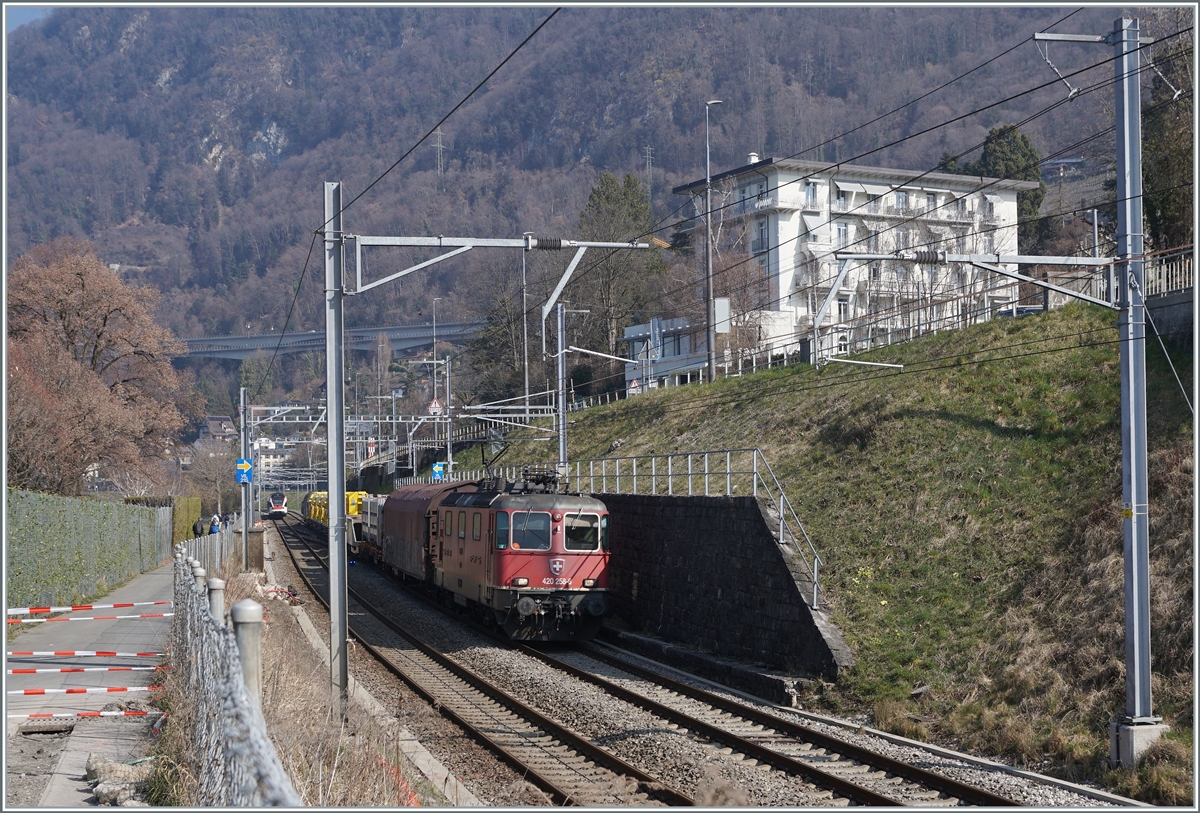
(967, 510)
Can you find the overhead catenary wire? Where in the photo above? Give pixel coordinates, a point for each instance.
(1174, 250)
(1104, 83)
(371, 185)
(891, 112)
(664, 295)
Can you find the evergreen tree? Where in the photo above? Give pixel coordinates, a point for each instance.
(1009, 154)
(1167, 128)
(616, 285)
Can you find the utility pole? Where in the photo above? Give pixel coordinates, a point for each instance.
(525, 322)
(1138, 727)
(449, 425)
(561, 366)
(245, 447)
(438, 145)
(649, 152)
(336, 447)
(708, 272)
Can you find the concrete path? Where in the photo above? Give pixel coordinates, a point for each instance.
(118, 738)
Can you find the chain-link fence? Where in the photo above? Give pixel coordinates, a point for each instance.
(236, 763)
(63, 550)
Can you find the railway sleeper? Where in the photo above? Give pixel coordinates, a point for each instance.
(931, 797)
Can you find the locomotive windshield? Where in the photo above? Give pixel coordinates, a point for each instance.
(530, 530)
(583, 531)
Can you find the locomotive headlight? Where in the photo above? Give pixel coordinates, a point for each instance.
(589, 582)
(520, 582)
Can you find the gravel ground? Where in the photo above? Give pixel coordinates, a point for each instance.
(29, 762)
(492, 781)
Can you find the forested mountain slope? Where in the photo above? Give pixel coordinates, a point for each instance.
(191, 143)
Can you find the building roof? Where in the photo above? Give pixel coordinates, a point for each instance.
(899, 177)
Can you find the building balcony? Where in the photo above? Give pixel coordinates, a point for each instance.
(759, 246)
(956, 216)
(777, 202)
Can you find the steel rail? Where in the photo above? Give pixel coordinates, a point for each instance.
(951, 787)
(646, 783)
(782, 762)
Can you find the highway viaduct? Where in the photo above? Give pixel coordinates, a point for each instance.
(401, 337)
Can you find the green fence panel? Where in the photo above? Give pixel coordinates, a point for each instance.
(63, 550)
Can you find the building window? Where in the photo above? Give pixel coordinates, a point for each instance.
(901, 199)
(960, 242)
(872, 240)
(843, 309)
(872, 204)
(874, 272)
(760, 242)
(933, 276)
(989, 241)
(930, 201)
(810, 195)
(843, 235)
(842, 203)
(902, 238)
(843, 344)
(960, 207)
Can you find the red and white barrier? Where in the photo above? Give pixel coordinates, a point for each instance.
(77, 607)
(86, 618)
(85, 714)
(88, 690)
(82, 653)
(90, 669)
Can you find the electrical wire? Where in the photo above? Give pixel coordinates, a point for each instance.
(859, 323)
(892, 112)
(421, 140)
(663, 296)
(595, 264)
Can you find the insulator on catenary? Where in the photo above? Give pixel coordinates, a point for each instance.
(927, 257)
(549, 243)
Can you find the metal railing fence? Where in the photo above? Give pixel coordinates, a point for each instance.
(724, 472)
(214, 550)
(1168, 274)
(236, 762)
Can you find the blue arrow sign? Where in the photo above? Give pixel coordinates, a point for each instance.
(439, 471)
(245, 471)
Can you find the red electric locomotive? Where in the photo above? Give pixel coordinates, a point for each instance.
(533, 561)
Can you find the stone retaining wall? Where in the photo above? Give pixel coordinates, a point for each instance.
(710, 573)
(1172, 315)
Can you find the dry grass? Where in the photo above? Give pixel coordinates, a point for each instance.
(893, 716)
(331, 762)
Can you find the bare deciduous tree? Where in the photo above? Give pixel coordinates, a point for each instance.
(90, 375)
(212, 472)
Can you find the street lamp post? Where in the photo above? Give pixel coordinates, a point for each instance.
(708, 272)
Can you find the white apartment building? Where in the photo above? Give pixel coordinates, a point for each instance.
(271, 453)
(825, 242)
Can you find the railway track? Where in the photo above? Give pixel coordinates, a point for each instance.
(563, 764)
(784, 744)
(831, 771)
